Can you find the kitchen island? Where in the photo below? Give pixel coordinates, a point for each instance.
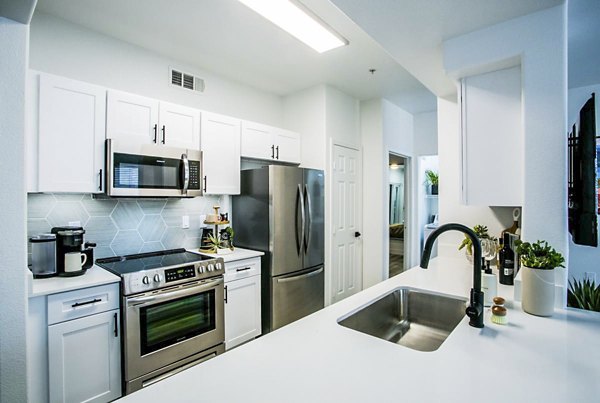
(315, 359)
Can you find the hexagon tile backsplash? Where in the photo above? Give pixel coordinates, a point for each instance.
(121, 226)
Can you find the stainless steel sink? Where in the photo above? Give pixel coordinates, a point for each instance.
(413, 318)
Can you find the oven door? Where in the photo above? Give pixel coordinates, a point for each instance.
(167, 326)
(152, 171)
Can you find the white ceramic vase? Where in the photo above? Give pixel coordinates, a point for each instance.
(538, 291)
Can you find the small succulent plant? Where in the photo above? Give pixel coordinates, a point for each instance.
(539, 255)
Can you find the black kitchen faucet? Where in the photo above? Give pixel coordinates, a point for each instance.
(475, 309)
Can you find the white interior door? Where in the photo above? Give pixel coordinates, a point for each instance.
(346, 273)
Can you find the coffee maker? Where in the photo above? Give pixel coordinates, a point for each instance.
(69, 246)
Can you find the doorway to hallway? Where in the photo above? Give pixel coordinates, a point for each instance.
(397, 205)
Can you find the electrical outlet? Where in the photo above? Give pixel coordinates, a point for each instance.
(74, 223)
(185, 221)
(589, 275)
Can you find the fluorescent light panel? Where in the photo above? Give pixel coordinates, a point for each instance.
(291, 17)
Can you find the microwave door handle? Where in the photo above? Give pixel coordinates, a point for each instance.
(186, 174)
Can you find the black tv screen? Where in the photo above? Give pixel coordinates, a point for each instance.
(583, 172)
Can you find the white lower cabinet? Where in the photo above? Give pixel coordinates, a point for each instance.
(242, 301)
(84, 353)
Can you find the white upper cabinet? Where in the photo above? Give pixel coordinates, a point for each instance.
(492, 139)
(287, 146)
(132, 118)
(221, 153)
(71, 135)
(179, 126)
(270, 143)
(142, 120)
(257, 141)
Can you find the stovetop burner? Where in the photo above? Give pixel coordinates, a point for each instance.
(121, 265)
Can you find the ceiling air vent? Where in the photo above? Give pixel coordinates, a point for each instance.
(186, 81)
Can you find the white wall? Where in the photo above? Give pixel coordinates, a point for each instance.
(583, 259)
(304, 112)
(426, 133)
(373, 195)
(385, 128)
(343, 118)
(538, 40)
(13, 257)
(69, 50)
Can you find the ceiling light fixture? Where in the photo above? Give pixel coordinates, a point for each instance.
(293, 17)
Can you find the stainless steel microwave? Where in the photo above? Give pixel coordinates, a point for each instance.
(150, 170)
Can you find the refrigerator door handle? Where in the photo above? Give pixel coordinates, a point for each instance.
(300, 277)
(308, 220)
(300, 231)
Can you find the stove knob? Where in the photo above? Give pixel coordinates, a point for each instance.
(146, 280)
(200, 269)
(157, 278)
(210, 267)
(218, 266)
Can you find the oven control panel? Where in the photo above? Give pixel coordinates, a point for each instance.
(180, 273)
(148, 280)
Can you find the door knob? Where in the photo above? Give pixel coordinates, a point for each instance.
(356, 234)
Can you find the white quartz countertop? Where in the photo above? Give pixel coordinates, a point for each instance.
(237, 254)
(94, 276)
(532, 359)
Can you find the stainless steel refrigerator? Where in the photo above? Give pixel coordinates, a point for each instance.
(280, 211)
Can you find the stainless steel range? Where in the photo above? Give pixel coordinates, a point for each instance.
(173, 312)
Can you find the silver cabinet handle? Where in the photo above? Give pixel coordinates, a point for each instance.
(100, 180)
(155, 133)
(164, 134)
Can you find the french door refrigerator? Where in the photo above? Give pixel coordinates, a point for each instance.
(280, 211)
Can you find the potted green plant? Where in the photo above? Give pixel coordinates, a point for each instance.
(584, 295)
(538, 261)
(482, 233)
(432, 178)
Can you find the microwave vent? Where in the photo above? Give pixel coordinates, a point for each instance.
(186, 81)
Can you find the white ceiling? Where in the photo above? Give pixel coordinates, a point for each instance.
(225, 37)
(412, 31)
(229, 39)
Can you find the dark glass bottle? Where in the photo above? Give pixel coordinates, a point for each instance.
(507, 262)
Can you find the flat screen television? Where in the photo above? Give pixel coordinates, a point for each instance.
(583, 174)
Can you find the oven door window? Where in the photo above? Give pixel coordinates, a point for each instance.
(170, 322)
(146, 172)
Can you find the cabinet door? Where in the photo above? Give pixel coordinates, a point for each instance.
(179, 126)
(85, 359)
(257, 141)
(287, 146)
(71, 135)
(131, 118)
(492, 127)
(242, 311)
(221, 153)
